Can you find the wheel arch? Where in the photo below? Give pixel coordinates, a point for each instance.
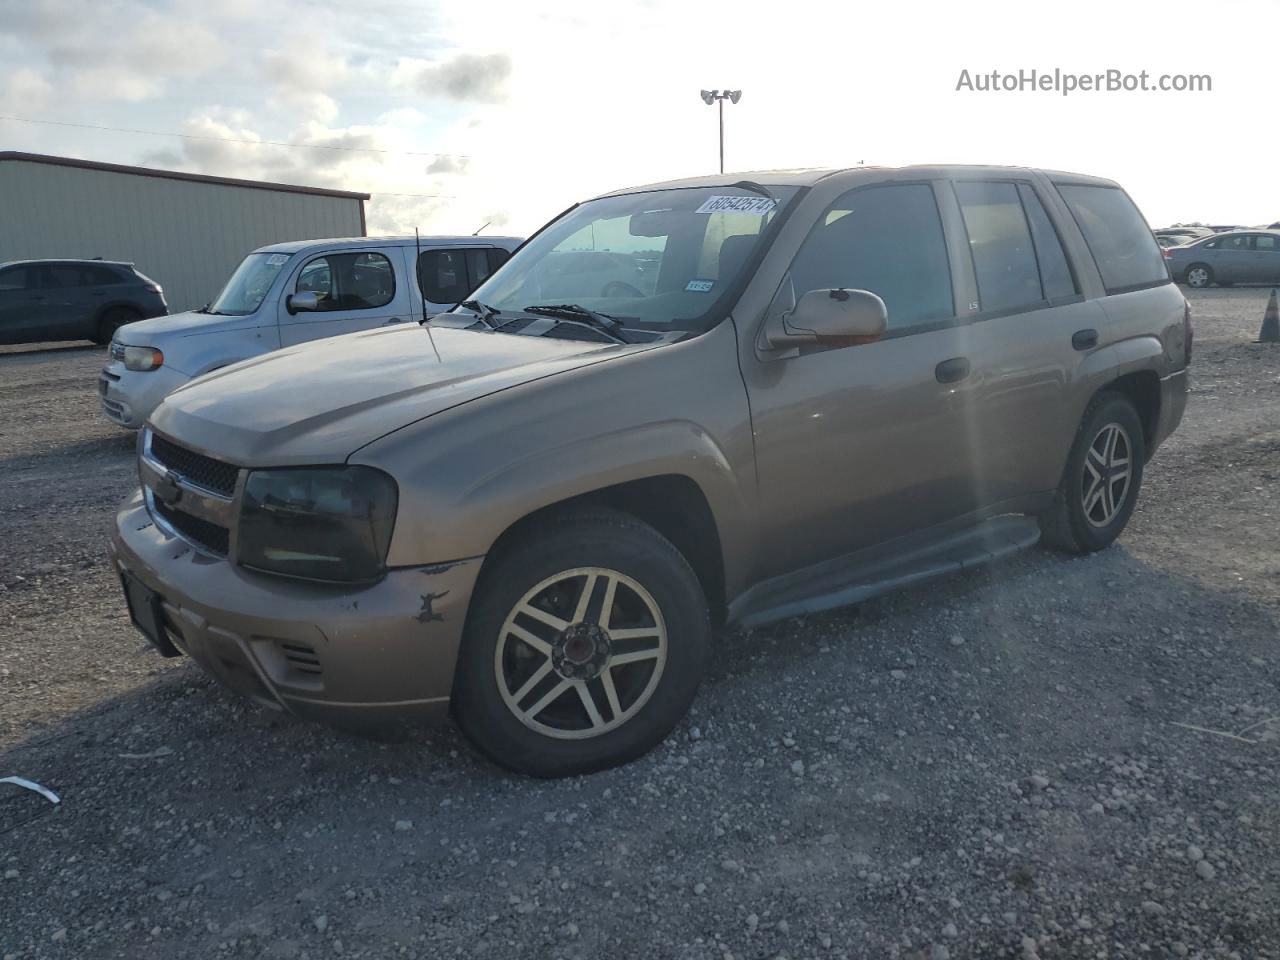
(1142, 389)
(673, 504)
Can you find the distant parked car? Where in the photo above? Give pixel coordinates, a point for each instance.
(1172, 239)
(289, 293)
(44, 300)
(1247, 256)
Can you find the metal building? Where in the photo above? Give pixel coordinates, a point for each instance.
(185, 231)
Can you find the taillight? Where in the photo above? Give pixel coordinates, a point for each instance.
(1167, 251)
(153, 288)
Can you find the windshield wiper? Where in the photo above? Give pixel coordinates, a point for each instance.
(611, 327)
(485, 312)
(753, 187)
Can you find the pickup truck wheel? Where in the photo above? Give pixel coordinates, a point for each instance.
(113, 320)
(584, 647)
(1100, 484)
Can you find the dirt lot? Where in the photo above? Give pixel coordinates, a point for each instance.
(999, 765)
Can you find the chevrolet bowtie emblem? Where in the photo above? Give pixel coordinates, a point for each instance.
(167, 490)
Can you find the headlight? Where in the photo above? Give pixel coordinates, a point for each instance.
(142, 358)
(319, 523)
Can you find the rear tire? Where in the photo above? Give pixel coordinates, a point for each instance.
(1199, 275)
(111, 321)
(636, 647)
(1102, 478)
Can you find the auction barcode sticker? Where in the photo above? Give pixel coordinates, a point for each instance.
(755, 206)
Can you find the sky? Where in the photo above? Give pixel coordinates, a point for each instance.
(457, 114)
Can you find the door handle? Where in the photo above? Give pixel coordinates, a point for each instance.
(953, 370)
(1084, 339)
(391, 321)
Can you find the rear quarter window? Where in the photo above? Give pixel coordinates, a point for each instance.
(1126, 253)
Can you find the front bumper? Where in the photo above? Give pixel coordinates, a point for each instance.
(129, 396)
(351, 656)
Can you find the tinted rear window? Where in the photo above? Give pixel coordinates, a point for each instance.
(1126, 253)
(1000, 241)
(1054, 271)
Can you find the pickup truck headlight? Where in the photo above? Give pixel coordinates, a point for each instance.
(142, 358)
(318, 523)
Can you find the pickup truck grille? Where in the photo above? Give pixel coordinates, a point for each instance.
(203, 471)
(212, 537)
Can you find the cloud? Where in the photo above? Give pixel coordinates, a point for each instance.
(128, 50)
(447, 165)
(470, 77)
(24, 92)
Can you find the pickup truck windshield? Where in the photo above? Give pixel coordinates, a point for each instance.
(248, 286)
(661, 259)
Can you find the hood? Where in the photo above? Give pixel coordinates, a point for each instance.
(322, 401)
(145, 333)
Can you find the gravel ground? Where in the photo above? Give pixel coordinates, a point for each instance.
(1002, 764)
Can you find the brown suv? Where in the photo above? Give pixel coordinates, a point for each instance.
(717, 400)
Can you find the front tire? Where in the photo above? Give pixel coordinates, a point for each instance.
(1100, 484)
(584, 647)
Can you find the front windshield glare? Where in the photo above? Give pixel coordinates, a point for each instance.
(658, 259)
(248, 286)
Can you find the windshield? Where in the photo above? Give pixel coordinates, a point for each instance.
(660, 259)
(247, 287)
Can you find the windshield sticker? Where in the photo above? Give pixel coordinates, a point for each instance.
(699, 286)
(755, 206)
(277, 258)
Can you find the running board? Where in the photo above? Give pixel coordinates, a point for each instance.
(869, 573)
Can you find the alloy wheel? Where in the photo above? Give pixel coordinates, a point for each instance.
(1198, 277)
(581, 653)
(1108, 474)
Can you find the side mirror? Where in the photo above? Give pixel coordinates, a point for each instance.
(829, 316)
(304, 302)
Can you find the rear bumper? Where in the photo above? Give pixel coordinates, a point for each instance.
(1173, 402)
(359, 656)
(129, 396)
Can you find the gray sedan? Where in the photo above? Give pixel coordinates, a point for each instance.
(1242, 256)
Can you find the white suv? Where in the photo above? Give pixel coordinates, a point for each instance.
(289, 293)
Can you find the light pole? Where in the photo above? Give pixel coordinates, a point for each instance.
(720, 96)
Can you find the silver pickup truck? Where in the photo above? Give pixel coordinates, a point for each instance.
(289, 293)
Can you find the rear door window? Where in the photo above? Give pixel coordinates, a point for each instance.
(65, 276)
(1000, 242)
(442, 275)
(886, 239)
(1267, 244)
(1055, 273)
(450, 276)
(1121, 243)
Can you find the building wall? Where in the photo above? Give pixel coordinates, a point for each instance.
(185, 235)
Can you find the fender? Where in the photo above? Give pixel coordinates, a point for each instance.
(1123, 357)
(465, 521)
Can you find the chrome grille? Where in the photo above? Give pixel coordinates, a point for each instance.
(214, 475)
